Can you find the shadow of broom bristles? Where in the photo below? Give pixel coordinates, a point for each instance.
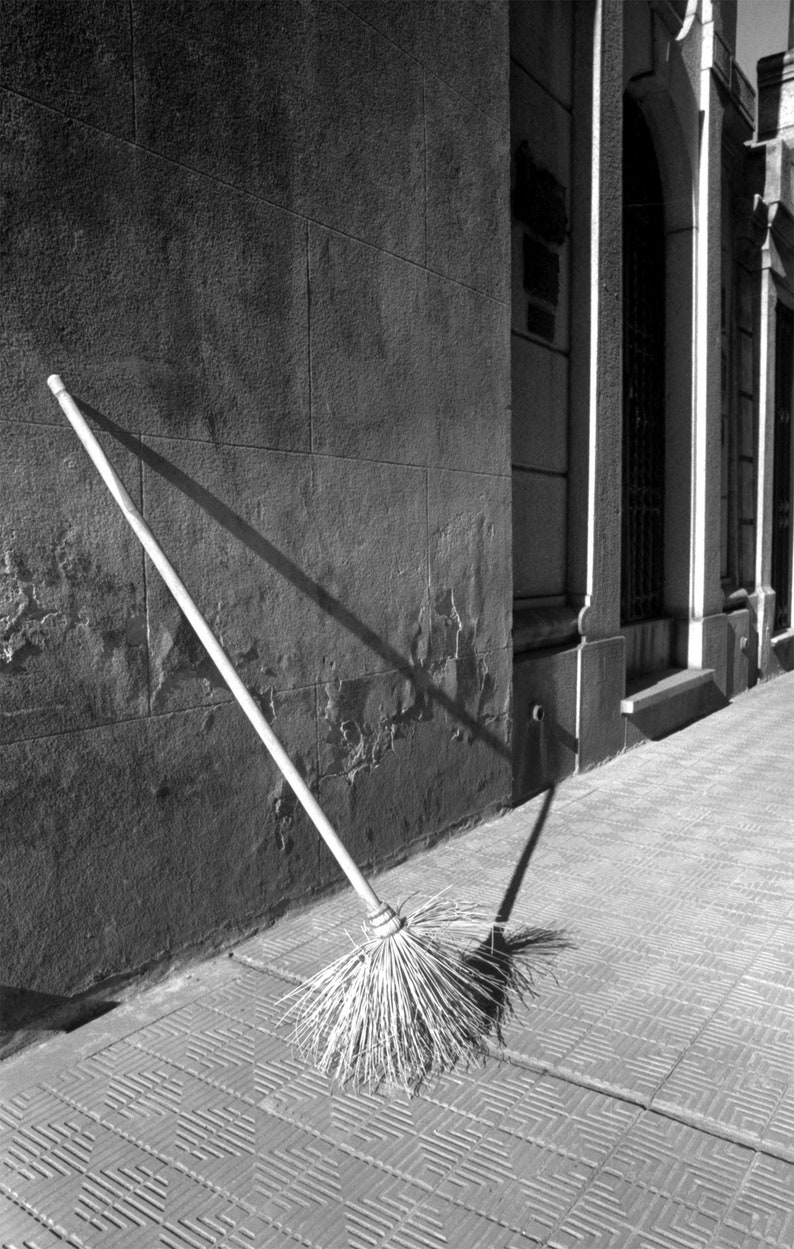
(505, 969)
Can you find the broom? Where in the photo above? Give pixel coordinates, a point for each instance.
(410, 999)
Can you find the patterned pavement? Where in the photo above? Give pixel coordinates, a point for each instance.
(645, 1100)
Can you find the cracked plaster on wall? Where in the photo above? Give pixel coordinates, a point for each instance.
(37, 612)
(181, 658)
(446, 614)
(363, 724)
(22, 621)
(464, 546)
(360, 735)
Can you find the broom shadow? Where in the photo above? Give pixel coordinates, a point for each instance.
(505, 965)
(501, 972)
(281, 563)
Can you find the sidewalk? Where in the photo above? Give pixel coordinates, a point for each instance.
(644, 1101)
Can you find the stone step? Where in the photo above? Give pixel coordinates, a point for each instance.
(661, 702)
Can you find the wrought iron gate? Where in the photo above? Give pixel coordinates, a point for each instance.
(642, 580)
(781, 477)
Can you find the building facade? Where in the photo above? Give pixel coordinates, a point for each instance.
(651, 377)
(447, 350)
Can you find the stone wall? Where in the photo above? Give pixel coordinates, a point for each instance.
(267, 247)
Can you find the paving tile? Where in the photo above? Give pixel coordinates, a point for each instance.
(376, 1203)
(525, 1186)
(201, 1218)
(615, 1214)
(83, 1179)
(775, 962)
(764, 1209)
(779, 1131)
(737, 1074)
(680, 1162)
(21, 1230)
(136, 1094)
(756, 998)
(488, 1092)
(636, 1044)
(253, 995)
(569, 1119)
(439, 1223)
(420, 1151)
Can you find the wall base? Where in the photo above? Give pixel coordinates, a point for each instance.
(544, 720)
(601, 685)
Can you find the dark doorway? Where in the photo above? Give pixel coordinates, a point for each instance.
(781, 487)
(642, 565)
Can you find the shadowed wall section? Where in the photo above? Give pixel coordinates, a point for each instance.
(268, 246)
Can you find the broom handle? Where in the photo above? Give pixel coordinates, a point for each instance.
(216, 652)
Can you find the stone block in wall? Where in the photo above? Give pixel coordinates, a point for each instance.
(406, 756)
(128, 843)
(708, 646)
(746, 364)
(742, 652)
(75, 57)
(638, 39)
(301, 104)
(746, 426)
(467, 171)
(464, 44)
(406, 366)
(540, 406)
(602, 728)
(171, 304)
(541, 40)
(678, 302)
(539, 236)
(541, 271)
(470, 366)
(747, 489)
(470, 572)
(747, 553)
(544, 721)
(545, 125)
(539, 534)
(745, 282)
(72, 604)
(538, 198)
(278, 552)
(531, 312)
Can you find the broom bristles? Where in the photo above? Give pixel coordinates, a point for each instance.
(422, 1000)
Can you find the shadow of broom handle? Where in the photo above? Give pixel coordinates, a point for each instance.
(216, 652)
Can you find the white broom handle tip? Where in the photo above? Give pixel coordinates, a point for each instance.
(219, 657)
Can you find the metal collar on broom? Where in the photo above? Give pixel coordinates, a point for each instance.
(404, 1002)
